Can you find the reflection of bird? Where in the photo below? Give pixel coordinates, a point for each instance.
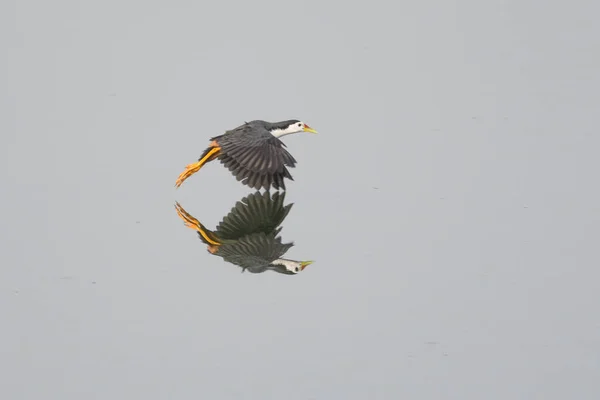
(253, 153)
(248, 235)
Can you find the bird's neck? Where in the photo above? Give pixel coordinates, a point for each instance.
(289, 264)
(282, 132)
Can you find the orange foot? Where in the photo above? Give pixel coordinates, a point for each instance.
(190, 169)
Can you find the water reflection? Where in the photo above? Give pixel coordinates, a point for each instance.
(249, 235)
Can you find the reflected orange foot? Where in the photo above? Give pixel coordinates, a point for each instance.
(188, 220)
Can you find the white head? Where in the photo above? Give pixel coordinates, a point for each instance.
(291, 267)
(283, 128)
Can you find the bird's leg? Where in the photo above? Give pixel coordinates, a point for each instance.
(209, 154)
(188, 220)
(208, 237)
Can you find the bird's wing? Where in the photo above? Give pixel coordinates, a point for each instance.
(254, 250)
(256, 150)
(255, 180)
(254, 213)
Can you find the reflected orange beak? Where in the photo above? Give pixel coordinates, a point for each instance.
(304, 264)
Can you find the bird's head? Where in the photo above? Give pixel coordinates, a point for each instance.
(290, 267)
(279, 129)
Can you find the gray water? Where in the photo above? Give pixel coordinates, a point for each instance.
(450, 200)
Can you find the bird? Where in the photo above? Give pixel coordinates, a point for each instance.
(253, 153)
(248, 236)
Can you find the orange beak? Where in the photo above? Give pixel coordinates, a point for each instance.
(309, 129)
(304, 264)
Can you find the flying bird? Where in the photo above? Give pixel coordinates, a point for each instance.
(249, 235)
(253, 152)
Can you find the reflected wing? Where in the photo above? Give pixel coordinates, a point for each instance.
(253, 214)
(255, 250)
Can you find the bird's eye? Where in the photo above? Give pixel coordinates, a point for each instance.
(296, 269)
(300, 124)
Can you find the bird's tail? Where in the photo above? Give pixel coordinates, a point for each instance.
(209, 154)
(206, 235)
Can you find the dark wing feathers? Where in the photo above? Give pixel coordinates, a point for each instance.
(254, 179)
(266, 182)
(256, 149)
(289, 160)
(249, 232)
(255, 157)
(258, 180)
(254, 213)
(254, 250)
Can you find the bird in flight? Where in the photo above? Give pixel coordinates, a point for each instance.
(249, 235)
(253, 152)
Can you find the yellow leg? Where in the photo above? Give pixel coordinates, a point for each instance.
(194, 224)
(188, 220)
(191, 169)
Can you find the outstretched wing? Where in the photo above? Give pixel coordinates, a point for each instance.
(255, 250)
(252, 147)
(253, 214)
(255, 180)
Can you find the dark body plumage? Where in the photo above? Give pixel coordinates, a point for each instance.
(248, 235)
(254, 156)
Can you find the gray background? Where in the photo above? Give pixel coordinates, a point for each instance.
(450, 200)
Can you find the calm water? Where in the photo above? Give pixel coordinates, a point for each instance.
(450, 201)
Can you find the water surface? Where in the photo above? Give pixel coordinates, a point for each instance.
(449, 202)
